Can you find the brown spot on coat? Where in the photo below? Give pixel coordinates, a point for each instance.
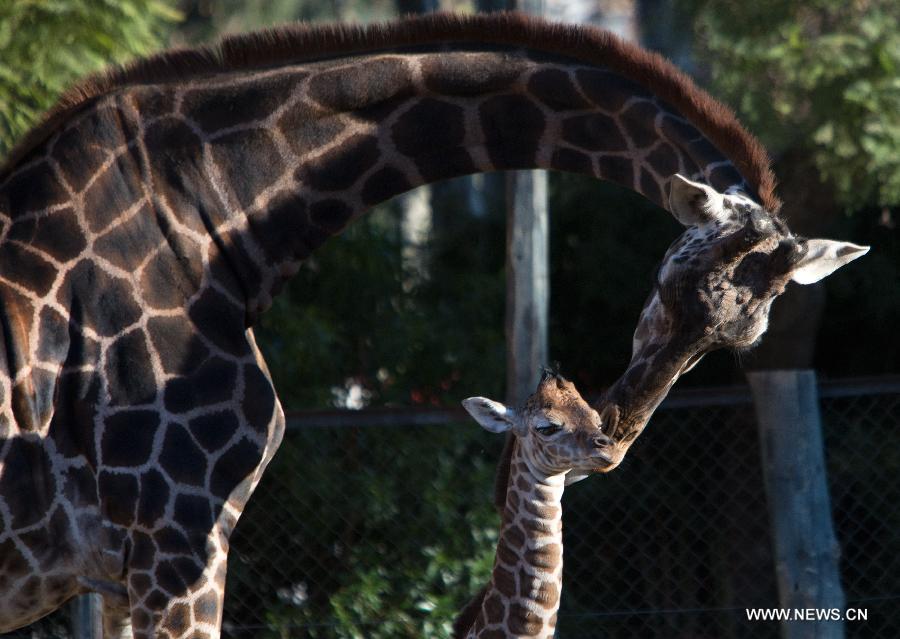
(545, 557)
(541, 511)
(504, 581)
(494, 608)
(506, 554)
(470, 74)
(361, 83)
(515, 536)
(522, 621)
(555, 89)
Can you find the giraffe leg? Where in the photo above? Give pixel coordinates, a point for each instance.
(178, 598)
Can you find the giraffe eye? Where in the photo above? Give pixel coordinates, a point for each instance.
(549, 429)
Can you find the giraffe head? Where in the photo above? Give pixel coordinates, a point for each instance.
(557, 430)
(714, 289)
(717, 281)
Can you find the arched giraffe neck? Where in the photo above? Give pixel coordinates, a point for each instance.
(347, 134)
(522, 598)
(273, 162)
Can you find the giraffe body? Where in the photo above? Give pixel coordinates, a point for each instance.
(558, 440)
(149, 221)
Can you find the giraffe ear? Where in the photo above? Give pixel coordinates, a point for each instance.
(492, 416)
(820, 258)
(693, 203)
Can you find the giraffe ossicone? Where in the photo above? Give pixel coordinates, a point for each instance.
(557, 439)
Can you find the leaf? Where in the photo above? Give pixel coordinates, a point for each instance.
(86, 36)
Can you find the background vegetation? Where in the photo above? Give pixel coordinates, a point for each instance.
(48, 44)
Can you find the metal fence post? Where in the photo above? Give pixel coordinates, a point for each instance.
(793, 462)
(86, 614)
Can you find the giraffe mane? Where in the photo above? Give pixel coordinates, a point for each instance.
(301, 42)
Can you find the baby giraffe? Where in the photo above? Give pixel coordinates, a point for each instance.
(558, 441)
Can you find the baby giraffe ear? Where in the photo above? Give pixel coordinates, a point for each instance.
(822, 258)
(492, 416)
(693, 203)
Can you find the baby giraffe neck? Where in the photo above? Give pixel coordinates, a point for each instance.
(523, 597)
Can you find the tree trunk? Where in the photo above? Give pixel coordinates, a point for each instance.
(527, 282)
(803, 540)
(489, 6)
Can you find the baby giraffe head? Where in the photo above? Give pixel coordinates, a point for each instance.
(557, 432)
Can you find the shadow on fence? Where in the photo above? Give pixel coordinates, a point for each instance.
(367, 525)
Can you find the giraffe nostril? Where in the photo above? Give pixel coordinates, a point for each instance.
(599, 441)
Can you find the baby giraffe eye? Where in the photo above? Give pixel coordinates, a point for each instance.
(548, 429)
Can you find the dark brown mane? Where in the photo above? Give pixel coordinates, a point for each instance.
(300, 42)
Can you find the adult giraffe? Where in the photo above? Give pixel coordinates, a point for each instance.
(151, 217)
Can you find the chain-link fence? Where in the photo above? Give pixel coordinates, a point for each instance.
(384, 529)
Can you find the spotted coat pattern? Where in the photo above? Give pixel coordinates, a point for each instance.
(523, 596)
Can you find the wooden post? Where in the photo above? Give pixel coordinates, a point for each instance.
(527, 282)
(86, 614)
(793, 461)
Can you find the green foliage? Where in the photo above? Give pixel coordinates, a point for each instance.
(823, 75)
(49, 44)
(382, 540)
(356, 315)
(205, 20)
